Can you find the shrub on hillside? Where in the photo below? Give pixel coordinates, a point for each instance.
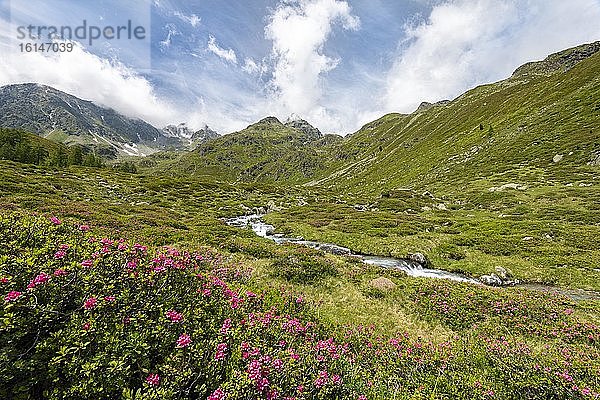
(302, 267)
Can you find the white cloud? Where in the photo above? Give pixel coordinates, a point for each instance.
(193, 19)
(89, 77)
(468, 42)
(227, 55)
(299, 29)
(252, 67)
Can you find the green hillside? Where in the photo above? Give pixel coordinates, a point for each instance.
(24, 147)
(267, 151)
(505, 175)
(499, 133)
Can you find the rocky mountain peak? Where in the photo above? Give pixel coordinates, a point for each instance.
(205, 134)
(178, 131)
(295, 122)
(270, 121)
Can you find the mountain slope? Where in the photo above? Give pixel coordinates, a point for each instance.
(512, 130)
(542, 124)
(265, 151)
(64, 118)
(186, 138)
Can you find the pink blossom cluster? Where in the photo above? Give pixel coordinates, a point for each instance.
(40, 279)
(174, 316)
(221, 353)
(12, 296)
(218, 394)
(226, 326)
(153, 379)
(90, 303)
(184, 340)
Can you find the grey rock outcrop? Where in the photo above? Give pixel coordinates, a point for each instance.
(298, 123)
(419, 258)
(491, 280)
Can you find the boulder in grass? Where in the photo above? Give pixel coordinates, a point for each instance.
(383, 284)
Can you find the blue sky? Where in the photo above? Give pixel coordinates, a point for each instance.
(336, 63)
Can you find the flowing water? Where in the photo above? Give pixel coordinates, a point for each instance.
(411, 268)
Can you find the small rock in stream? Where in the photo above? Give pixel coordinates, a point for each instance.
(419, 258)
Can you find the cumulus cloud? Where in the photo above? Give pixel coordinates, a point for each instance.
(227, 55)
(90, 77)
(468, 42)
(299, 30)
(252, 67)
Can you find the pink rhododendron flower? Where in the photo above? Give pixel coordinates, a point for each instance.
(60, 254)
(565, 375)
(299, 300)
(218, 394)
(362, 397)
(226, 326)
(221, 349)
(4, 280)
(12, 296)
(184, 340)
(174, 316)
(84, 228)
(60, 272)
(139, 247)
(109, 298)
(86, 326)
(87, 263)
(55, 221)
(38, 280)
(107, 241)
(153, 379)
(322, 379)
(277, 364)
(90, 303)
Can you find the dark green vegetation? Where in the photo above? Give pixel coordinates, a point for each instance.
(16, 145)
(505, 175)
